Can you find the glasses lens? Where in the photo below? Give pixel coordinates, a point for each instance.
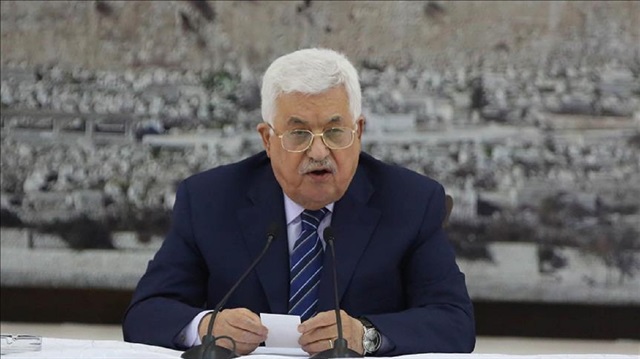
(296, 140)
(338, 137)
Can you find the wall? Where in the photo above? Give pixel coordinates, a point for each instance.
(188, 34)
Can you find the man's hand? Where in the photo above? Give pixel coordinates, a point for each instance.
(241, 324)
(319, 332)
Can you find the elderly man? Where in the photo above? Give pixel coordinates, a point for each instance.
(399, 287)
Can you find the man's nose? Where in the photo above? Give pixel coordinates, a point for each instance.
(318, 150)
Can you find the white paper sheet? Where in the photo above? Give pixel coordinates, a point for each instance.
(283, 330)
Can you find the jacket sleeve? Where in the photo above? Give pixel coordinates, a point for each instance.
(172, 290)
(439, 318)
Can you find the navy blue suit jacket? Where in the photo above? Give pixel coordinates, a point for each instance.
(394, 263)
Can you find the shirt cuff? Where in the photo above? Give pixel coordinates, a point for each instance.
(189, 335)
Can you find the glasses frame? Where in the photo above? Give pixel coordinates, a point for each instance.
(313, 137)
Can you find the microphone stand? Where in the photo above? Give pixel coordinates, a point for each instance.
(208, 349)
(340, 345)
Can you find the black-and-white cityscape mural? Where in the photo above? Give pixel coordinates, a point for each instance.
(527, 112)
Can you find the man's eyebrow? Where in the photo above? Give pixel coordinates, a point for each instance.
(335, 118)
(293, 120)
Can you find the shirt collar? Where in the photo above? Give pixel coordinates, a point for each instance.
(294, 210)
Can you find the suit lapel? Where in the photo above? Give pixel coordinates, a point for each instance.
(353, 223)
(268, 207)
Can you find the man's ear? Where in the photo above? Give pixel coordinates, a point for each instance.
(361, 125)
(265, 133)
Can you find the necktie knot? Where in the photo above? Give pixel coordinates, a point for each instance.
(311, 218)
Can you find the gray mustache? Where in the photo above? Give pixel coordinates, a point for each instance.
(326, 164)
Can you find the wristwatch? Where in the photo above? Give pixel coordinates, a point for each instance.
(371, 339)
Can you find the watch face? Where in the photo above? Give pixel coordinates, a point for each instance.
(368, 346)
(371, 340)
(370, 334)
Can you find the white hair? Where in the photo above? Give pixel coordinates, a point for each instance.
(309, 71)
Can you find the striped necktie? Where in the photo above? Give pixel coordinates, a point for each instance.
(306, 266)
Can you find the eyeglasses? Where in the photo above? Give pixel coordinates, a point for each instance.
(335, 138)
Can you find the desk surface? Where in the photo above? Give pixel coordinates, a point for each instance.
(54, 348)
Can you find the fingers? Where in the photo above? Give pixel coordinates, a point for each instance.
(322, 319)
(242, 320)
(243, 326)
(318, 346)
(240, 348)
(319, 332)
(318, 337)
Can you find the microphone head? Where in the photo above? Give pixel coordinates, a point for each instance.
(328, 234)
(273, 230)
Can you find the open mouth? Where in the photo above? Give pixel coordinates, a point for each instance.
(320, 174)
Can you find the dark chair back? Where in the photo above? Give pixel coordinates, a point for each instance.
(448, 206)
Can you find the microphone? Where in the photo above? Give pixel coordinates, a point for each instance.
(208, 349)
(340, 346)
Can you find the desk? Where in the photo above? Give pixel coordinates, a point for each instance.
(53, 348)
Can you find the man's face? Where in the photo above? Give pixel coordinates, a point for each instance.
(319, 175)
